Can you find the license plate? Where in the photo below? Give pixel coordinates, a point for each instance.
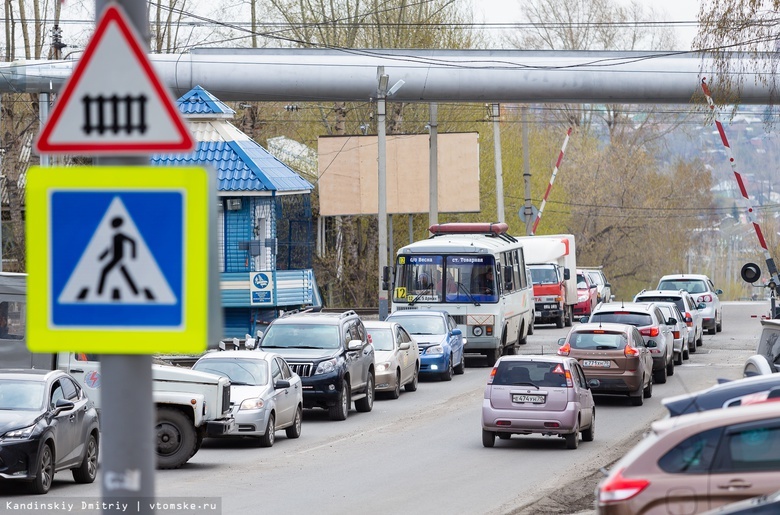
(550, 306)
(597, 363)
(533, 399)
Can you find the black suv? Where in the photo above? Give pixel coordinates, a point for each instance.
(331, 354)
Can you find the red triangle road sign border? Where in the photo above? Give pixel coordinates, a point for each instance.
(114, 14)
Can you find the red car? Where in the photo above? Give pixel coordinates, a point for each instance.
(587, 295)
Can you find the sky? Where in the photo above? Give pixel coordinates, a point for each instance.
(507, 11)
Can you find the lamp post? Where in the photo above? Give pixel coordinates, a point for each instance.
(381, 97)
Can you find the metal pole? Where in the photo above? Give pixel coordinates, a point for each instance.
(382, 186)
(127, 417)
(433, 188)
(499, 173)
(529, 210)
(411, 230)
(391, 243)
(43, 115)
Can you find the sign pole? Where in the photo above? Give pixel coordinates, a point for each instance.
(127, 419)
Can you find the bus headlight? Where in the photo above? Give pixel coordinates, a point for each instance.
(477, 331)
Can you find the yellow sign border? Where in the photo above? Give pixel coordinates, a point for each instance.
(192, 335)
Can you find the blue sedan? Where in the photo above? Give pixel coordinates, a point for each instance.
(439, 339)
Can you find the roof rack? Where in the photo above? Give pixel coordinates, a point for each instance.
(348, 313)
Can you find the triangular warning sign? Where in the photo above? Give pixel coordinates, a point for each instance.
(117, 266)
(558, 369)
(114, 102)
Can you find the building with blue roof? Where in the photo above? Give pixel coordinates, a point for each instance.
(264, 220)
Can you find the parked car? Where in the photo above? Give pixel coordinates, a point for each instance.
(692, 312)
(587, 294)
(47, 424)
(265, 395)
(331, 354)
(761, 505)
(722, 395)
(397, 357)
(440, 341)
(703, 291)
(597, 277)
(546, 395)
(652, 326)
(766, 360)
(613, 354)
(696, 462)
(679, 330)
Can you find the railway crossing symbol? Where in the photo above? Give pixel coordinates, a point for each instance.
(118, 259)
(114, 102)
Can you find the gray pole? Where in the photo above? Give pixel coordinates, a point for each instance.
(127, 418)
(43, 115)
(529, 211)
(382, 79)
(499, 173)
(411, 231)
(433, 191)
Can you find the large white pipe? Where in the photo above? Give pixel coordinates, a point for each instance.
(429, 75)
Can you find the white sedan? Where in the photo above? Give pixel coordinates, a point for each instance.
(265, 395)
(396, 355)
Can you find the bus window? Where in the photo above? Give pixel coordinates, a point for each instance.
(418, 278)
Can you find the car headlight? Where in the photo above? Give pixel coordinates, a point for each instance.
(252, 404)
(435, 349)
(582, 298)
(326, 366)
(383, 367)
(24, 432)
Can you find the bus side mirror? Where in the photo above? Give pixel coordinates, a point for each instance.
(386, 277)
(566, 274)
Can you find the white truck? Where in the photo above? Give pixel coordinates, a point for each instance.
(553, 265)
(189, 405)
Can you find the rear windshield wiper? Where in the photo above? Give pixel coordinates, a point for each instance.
(525, 384)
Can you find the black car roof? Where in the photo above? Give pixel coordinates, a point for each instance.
(715, 396)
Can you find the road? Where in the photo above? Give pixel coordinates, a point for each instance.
(423, 453)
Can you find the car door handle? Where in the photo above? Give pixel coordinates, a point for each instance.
(77, 370)
(736, 484)
(72, 417)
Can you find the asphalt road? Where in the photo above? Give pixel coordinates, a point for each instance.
(423, 453)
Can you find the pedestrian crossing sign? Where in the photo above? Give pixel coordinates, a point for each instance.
(118, 259)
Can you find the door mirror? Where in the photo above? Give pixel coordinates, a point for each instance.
(355, 345)
(608, 285)
(701, 306)
(651, 344)
(405, 346)
(387, 275)
(281, 383)
(561, 341)
(456, 332)
(63, 405)
(718, 292)
(584, 320)
(594, 383)
(566, 274)
(671, 321)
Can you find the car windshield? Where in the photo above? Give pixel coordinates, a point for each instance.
(581, 283)
(689, 285)
(240, 371)
(622, 317)
(382, 339)
(678, 301)
(597, 340)
(21, 395)
(301, 336)
(544, 275)
(595, 278)
(530, 372)
(421, 324)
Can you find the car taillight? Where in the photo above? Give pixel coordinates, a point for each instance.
(564, 349)
(620, 488)
(650, 331)
(688, 319)
(492, 375)
(705, 298)
(675, 334)
(569, 382)
(630, 351)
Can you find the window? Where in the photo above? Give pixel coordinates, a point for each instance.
(56, 393)
(286, 372)
(639, 342)
(276, 372)
(755, 448)
(597, 341)
(534, 372)
(694, 455)
(623, 317)
(70, 389)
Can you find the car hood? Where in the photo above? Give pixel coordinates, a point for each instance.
(306, 354)
(240, 392)
(17, 419)
(426, 340)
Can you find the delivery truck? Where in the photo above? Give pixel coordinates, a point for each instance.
(552, 262)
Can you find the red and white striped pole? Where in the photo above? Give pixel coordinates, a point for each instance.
(552, 180)
(751, 212)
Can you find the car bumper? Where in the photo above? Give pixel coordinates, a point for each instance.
(627, 382)
(527, 421)
(247, 423)
(476, 343)
(321, 391)
(220, 427)
(386, 381)
(17, 459)
(582, 308)
(708, 317)
(434, 364)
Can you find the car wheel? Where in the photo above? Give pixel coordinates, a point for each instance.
(648, 391)
(396, 392)
(341, 409)
(560, 321)
(447, 374)
(492, 356)
(176, 438)
(678, 358)
(294, 431)
(267, 440)
(42, 481)
(700, 340)
(659, 376)
(411, 386)
(530, 328)
(572, 439)
(686, 355)
(488, 438)
(719, 324)
(461, 368)
(569, 316)
(366, 404)
(87, 471)
(711, 330)
(670, 366)
(588, 434)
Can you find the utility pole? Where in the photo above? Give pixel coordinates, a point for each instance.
(496, 115)
(381, 98)
(528, 209)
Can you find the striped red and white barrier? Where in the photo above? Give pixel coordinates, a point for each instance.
(552, 180)
(751, 212)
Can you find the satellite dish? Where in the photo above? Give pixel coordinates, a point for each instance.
(750, 272)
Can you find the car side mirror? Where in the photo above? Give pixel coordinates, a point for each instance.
(584, 320)
(355, 345)
(456, 332)
(671, 321)
(718, 292)
(63, 405)
(608, 285)
(594, 286)
(594, 383)
(651, 344)
(688, 320)
(405, 346)
(566, 274)
(387, 274)
(281, 383)
(701, 306)
(561, 341)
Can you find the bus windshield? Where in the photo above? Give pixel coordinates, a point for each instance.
(446, 279)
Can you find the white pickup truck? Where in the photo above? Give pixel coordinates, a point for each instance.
(190, 405)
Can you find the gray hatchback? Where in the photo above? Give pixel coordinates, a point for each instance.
(545, 395)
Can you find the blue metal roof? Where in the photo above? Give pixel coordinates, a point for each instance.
(242, 165)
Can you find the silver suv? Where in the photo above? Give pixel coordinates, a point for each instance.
(691, 312)
(652, 325)
(703, 291)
